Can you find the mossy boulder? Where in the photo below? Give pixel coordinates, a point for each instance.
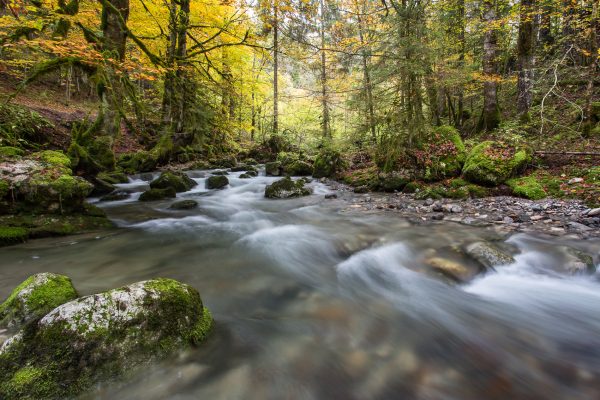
(140, 161)
(117, 195)
(298, 168)
(329, 162)
(43, 183)
(493, 163)
(10, 152)
(442, 154)
(91, 154)
(226, 161)
(158, 194)
(217, 182)
(113, 177)
(35, 297)
(173, 179)
(273, 168)
(10, 235)
(527, 187)
(287, 188)
(101, 337)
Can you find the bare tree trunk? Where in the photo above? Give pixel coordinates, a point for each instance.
(461, 60)
(525, 47)
(275, 70)
(593, 68)
(491, 113)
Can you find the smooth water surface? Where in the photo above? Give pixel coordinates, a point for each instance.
(312, 301)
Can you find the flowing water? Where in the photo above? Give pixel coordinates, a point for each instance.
(313, 301)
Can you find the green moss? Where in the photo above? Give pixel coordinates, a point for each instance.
(12, 235)
(273, 168)
(412, 187)
(35, 297)
(158, 194)
(392, 181)
(8, 151)
(492, 163)
(4, 188)
(176, 180)
(528, 187)
(329, 162)
(55, 158)
(286, 188)
(298, 168)
(140, 161)
(203, 327)
(29, 383)
(217, 182)
(441, 155)
(40, 226)
(362, 177)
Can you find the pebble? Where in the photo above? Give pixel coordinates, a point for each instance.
(574, 181)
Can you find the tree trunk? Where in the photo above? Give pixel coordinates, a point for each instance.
(275, 70)
(491, 113)
(114, 15)
(367, 79)
(324, 100)
(593, 68)
(525, 48)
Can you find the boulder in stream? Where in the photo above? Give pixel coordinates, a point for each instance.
(577, 261)
(273, 168)
(184, 205)
(488, 255)
(287, 188)
(35, 297)
(173, 179)
(217, 182)
(101, 337)
(157, 194)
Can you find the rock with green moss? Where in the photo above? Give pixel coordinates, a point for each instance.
(158, 194)
(184, 205)
(4, 188)
(217, 182)
(54, 158)
(527, 187)
(226, 161)
(173, 179)
(298, 168)
(329, 162)
(140, 161)
(492, 163)
(273, 168)
(442, 154)
(10, 235)
(101, 337)
(287, 188)
(10, 152)
(412, 187)
(113, 177)
(393, 181)
(35, 297)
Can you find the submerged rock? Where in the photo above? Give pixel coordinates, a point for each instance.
(179, 181)
(287, 188)
(578, 262)
(217, 182)
(488, 255)
(116, 196)
(452, 269)
(35, 297)
(184, 205)
(101, 337)
(158, 194)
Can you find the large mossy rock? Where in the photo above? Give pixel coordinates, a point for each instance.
(328, 163)
(10, 235)
(35, 297)
(43, 183)
(492, 163)
(217, 182)
(51, 225)
(101, 337)
(173, 179)
(158, 194)
(287, 188)
(273, 168)
(140, 161)
(527, 187)
(442, 154)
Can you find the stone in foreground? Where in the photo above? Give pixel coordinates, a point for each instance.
(488, 255)
(101, 337)
(35, 297)
(287, 188)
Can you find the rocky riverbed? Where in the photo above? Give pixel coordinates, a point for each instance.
(506, 214)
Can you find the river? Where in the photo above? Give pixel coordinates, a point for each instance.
(314, 301)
